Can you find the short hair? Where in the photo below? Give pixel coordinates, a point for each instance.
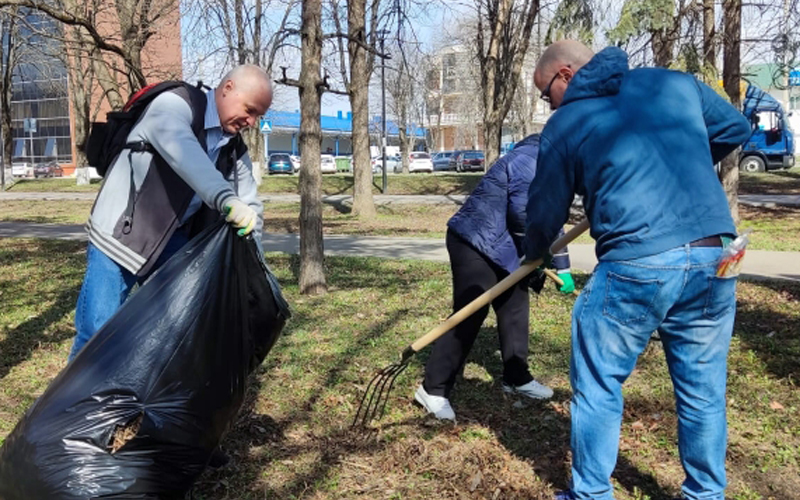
(565, 52)
(246, 75)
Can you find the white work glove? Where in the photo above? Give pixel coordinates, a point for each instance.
(240, 215)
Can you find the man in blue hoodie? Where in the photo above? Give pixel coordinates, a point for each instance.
(640, 147)
(484, 240)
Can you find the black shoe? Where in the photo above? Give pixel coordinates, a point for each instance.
(219, 459)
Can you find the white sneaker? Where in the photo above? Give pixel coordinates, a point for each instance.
(437, 405)
(532, 389)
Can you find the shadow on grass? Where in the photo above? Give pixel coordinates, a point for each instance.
(771, 334)
(257, 430)
(29, 335)
(357, 272)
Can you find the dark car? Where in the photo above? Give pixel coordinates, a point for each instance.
(280, 163)
(441, 161)
(50, 169)
(469, 160)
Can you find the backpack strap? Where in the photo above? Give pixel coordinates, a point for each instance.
(194, 96)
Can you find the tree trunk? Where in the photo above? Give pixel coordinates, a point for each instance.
(254, 140)
(663, 46)
(492, 136)
(709, 51)
(360, 72)
(312, 274)
(7, 61)
(731, 76)
(404, 148)
(80, 94)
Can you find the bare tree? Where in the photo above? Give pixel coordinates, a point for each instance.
(225, 33)
(361, 43)
(10, 42)
(406, 98)
(731, 77)
(503, 36)
(310, 87)
(119, 30)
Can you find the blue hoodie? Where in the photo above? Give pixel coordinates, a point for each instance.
(640, 147)
(492, 219)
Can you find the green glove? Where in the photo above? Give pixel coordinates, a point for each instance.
(569, 285)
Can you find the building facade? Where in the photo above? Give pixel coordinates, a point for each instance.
(454, 116)
(42, 112)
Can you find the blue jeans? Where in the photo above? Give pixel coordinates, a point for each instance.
(106, 286)
(677, 293)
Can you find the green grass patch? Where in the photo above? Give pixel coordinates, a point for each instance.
(62, 185)
(292, 439)
(774, 228)
(439, 183)
(776, 182)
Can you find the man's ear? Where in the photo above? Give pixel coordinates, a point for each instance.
(228, 87)
(567, 73)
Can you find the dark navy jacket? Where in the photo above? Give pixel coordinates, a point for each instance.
(492, 219)
(640, 147)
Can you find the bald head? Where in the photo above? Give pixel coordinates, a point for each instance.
(564, 53)
(555, 69)
(243, 96)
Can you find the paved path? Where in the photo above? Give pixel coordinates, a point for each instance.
(757, 264)
(758, 200)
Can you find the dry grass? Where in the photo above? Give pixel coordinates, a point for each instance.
(292, 439)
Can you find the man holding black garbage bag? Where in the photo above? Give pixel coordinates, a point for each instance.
(184, 161)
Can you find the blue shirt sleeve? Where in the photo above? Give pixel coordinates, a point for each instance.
(549, 198)
(727, 127)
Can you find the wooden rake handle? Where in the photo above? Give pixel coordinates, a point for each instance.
(489, 295)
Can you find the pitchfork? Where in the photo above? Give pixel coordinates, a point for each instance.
(377, 392)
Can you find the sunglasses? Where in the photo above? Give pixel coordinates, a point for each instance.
(546, 92)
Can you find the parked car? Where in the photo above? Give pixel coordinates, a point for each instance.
(392, 163)
(295, 163)
(328, 164)
(418, 161)
(21, 169)
(280, 163)
(49, 169)
(441, 160)
(470, 160)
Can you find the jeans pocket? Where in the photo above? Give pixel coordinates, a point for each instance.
(721, 297)
(630, 300)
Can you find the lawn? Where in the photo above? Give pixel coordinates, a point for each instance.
(774, 228)
(292, 438)
(776, 182)
(439, 183)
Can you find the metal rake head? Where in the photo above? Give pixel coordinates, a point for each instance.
(376, 395)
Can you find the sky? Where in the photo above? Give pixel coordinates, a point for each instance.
(434, 28)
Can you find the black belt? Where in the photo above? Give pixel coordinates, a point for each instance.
(708, 241)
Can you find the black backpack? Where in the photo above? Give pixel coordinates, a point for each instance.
(108, 139)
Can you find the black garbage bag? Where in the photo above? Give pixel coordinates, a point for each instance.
(139, 411)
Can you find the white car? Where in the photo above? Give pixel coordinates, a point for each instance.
(419, 161)
(328, 164)
(295, 163)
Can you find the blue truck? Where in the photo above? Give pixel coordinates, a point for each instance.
(771, 144)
